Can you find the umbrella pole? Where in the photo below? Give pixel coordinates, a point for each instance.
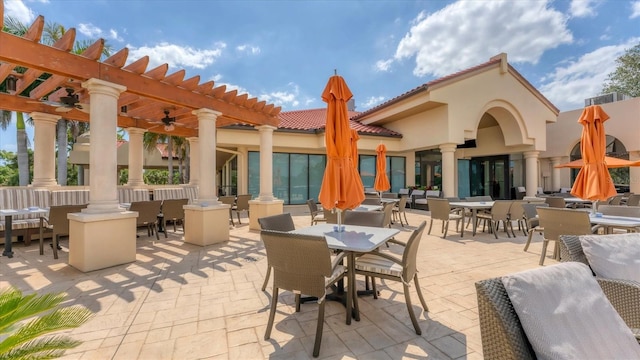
(339, 219)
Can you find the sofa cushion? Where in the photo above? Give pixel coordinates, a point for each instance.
(566, 315)
(614, 256)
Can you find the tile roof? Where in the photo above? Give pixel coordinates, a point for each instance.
(314, 120)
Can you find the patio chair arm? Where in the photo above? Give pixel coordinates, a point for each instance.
(338, 259)
(395, 241)
(624, 295)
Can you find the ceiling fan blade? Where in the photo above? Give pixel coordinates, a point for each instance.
(83, 107)
(63, 109)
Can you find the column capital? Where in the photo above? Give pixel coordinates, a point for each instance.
(263, 128)
(206, 114)
(44, 117)
(193, 139)
(531, 154)
(104, 87)
(555, 160)
(135, 131)
(449, 147)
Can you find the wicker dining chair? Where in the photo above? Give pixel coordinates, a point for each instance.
(558, 222)
(231, 201)
(316, 215)
(556, 202)
(516, 213)
(441, 210)
(148, 212)
(400, 211)
(499, 214)
(633, 200)
(384, 265)
(173, 210)
(371, 201)
(281, 222)
(58, 224)
(242, 204)
(301, 264)
(533, 222)
(364, 218)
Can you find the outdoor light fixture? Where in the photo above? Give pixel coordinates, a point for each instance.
(123, 109)
(11, 82)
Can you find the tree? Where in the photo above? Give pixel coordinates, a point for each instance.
(626, 77)
(150, 141)
(13, 26)
(23, 340)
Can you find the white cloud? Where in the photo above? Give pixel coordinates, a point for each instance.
(113, 34)
(582, 8)
(177, 55)
(569, 85)
(384, 65)
(90, 30)
(253, 50)
(19, 11)
(635, 9)
(465, 33)
(372, 101)
(283, 98)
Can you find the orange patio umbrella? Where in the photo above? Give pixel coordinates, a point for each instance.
(610, 162)
(381, 182)
(593, 181)
(354, 147)
(341, 185)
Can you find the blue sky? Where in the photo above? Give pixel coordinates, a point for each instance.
(284, 51)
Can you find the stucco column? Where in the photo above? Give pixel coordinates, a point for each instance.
(207, 150)
(410, 169)
(136, 156)
(103, 149)
(531, 166)
(556, 179)
(104, 234)
(266, 162)
(634, 173)
(44, 153)
(266, 204)
(194, 160)
(448, 169)
(243, 170)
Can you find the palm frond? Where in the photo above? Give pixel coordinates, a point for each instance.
(21, 337)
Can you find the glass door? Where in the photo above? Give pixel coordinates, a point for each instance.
(489, 176)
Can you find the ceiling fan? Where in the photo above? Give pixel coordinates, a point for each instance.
(168, 122)
(68, 103)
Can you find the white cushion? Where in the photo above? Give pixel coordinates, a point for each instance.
(565, 190)
(613, 256)
(566, 315)
(403, 191)
(522, 189)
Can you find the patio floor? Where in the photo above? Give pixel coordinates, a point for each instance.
(181, 301)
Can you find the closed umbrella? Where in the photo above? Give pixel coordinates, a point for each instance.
(341, 185)
(382, 181)
(354, 147)
(593, 181)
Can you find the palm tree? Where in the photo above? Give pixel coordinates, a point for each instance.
(23, 340)
(152, 139)
(13, 26)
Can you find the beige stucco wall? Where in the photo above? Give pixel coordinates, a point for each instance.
(562, 136)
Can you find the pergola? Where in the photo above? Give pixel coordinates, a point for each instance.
(133, 97)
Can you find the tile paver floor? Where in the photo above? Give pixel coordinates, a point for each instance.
(181, 301)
